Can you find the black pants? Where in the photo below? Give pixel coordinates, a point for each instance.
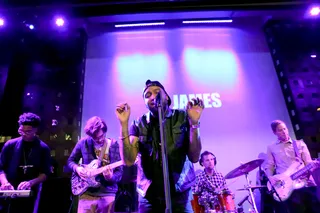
(18, 205)
(301, 201)
(158, 206)
(180, 202)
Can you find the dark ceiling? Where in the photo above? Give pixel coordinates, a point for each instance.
(88, 8)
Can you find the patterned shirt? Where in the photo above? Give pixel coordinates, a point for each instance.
(208, 186)
(85, 150)
(105, 158)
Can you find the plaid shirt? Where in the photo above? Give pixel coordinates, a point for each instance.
(208, 186)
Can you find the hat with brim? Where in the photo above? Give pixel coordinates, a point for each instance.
(150, 83)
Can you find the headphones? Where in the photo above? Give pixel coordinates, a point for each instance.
(207, 153)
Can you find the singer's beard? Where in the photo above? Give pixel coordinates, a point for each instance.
(154, 110)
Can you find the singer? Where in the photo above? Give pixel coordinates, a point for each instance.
(182, 135)
(25, 162)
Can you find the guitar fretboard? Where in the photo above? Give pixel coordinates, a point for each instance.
(301, 172)
(111, 166)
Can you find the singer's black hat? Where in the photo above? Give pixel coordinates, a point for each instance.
(150, 83)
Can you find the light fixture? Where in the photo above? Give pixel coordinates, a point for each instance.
(207, 21)
(140, 24)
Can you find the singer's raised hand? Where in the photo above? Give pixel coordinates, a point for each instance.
(123, 112)
(194, 110)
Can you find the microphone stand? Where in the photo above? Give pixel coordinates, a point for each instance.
(164, 154)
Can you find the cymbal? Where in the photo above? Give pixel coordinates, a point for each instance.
(244, 168)
(251, 187)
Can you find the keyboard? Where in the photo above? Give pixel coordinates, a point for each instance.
(15, 193)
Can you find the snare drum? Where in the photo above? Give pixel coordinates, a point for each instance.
(195, 204)
(226, 203)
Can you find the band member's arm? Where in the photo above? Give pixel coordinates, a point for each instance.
(269, 167)
(114, 157)
(225, 187)
(197, 187)
(305, 154)
(4, 156)
(74, 157)
(129, 147)
(195, 144)
(46, 167)
(194, 111)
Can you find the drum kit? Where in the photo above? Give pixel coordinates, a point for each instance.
(226, 200)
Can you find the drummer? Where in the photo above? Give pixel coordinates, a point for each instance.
(209, 182)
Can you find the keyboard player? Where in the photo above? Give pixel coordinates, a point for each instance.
(25, 162)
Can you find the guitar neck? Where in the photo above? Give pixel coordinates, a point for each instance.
(302, 171)
(111, 166)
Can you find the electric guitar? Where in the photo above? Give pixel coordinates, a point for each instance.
(285, 183)
(79, 185)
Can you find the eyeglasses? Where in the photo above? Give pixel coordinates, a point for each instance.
(25, 132)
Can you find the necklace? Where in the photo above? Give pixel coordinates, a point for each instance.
(25, 161)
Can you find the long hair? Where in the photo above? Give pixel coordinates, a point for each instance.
(94, 125)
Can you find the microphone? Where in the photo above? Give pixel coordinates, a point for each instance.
(157, 100)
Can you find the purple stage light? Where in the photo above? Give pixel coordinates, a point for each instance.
(1, 22)
(313, 56)
(140, 24)
(315, 11)
(31, 27)
(59, 22)
(207, 21)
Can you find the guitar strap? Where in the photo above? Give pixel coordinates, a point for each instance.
(104, 148)
(296, 151)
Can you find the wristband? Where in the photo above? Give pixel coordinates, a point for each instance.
(195, 126)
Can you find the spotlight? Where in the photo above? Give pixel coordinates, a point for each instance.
(59, 22)
(315, 11)
(31, 27)
(1, 22)
(313, 56)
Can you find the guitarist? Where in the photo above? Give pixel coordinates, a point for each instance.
(280, 156)
(99, 199)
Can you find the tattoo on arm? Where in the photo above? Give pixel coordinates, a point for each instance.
(194, 146)
(130, 147)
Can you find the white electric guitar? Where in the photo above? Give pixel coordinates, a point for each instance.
(285, 183)
(79, 185)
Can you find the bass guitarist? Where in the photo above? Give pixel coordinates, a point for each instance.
(280, 156)
(100, 199)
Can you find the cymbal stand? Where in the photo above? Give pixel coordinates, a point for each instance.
(251, 195)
